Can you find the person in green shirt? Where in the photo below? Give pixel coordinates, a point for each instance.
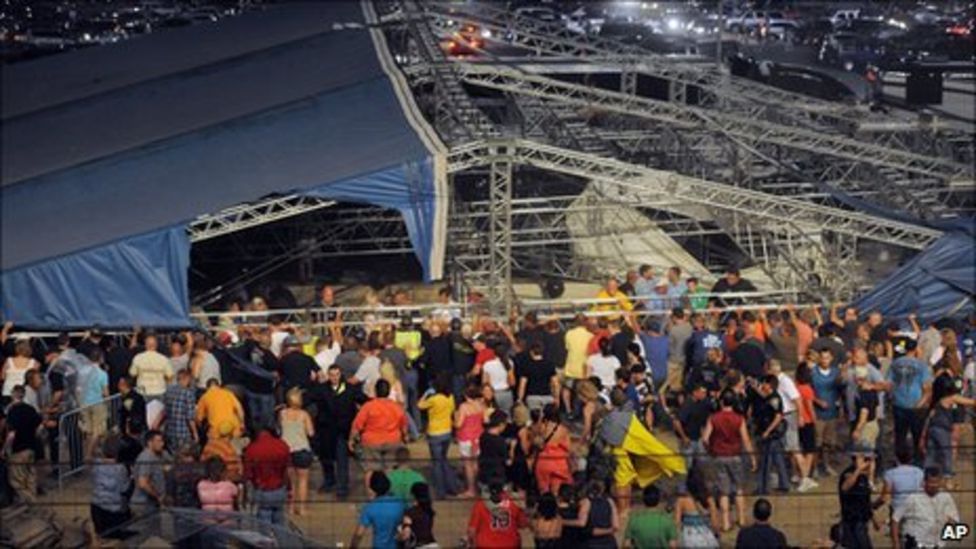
(651, 528)
(696, 300)
(402, 477)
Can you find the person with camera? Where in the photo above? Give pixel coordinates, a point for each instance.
(855, 499)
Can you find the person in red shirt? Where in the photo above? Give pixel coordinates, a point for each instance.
(807, 428)
(483, 353)
(725, 435)
(266, 461)
(381, 427)
(496, 522)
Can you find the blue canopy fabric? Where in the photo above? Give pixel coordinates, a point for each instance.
(109, 151)
(939, 282)
(146, 273)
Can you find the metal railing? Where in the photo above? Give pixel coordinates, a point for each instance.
(77, 425)
(356, 315)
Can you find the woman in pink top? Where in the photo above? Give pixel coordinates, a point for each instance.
(469, 423)
(216, 493)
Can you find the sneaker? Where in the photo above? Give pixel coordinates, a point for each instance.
(831, 472)
(795, 479)
(807, 484)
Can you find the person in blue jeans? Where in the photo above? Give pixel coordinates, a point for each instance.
(770, 426)
(438, 402)
(911, 381)
(382, 515)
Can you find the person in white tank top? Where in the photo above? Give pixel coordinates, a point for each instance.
(15, 368)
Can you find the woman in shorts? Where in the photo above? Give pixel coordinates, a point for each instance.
(469, 423)
(806, 430)
(296, 429)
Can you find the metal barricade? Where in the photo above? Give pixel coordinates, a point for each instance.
(74, 426)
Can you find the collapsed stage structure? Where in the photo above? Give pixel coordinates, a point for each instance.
(546, 163)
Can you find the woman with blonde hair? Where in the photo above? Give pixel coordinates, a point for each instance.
(296, 430)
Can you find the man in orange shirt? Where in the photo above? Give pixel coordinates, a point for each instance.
(218, 405)
(380, 426)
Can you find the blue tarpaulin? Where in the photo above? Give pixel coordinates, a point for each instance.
(110, 151)
(939, 282)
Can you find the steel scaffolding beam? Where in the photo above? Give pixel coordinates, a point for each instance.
(635, 181)
(746, 129)
(556, 40)
(500, 233)
(244, 216)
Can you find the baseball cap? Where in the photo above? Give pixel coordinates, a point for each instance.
(904, 345)
(661, 283)
(290, 340)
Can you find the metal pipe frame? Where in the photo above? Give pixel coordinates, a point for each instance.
(749, 130)
(633, 180)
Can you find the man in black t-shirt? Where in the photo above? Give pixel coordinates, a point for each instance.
(691, 420)
(296, 368)
(536, 378)
(531, 333)
(23, 422)
(761, 535)
(554, 344)
(494, 450)
(855, 501)
(133, 408)
(256, 351)
(768, 418)
(709, 373)
(119, 360)
(749, 356)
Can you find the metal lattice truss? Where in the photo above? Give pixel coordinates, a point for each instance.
(244, 216)
(556, 40)
(745, 129)
(786, 236)
(455, 116)
(635, 182)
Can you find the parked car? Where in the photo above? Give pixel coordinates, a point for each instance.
(540, 13)
(582, 21)
(850, 51)
(751, 21)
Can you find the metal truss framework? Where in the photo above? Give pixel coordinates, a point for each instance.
(810, 238)
(557, 40)
(244, 216)
(758, 221)
(634, 181)
(749, 130)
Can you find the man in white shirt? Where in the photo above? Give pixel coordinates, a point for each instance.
(369, 371)
(152, 370)
(790, 395)
(923, 515)
(279, 331)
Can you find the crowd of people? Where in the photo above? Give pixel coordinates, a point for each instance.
(555, 424)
